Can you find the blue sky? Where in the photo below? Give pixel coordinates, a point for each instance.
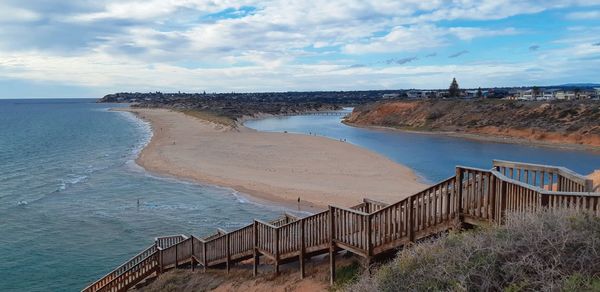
(90, 48)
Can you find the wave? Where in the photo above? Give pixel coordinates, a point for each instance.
(145, 130)
(73, 180)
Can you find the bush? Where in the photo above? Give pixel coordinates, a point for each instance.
(545, 251)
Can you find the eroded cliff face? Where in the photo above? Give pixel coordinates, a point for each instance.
(573, 122)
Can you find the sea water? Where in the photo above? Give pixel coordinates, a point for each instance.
(432, 156)
(69, 191)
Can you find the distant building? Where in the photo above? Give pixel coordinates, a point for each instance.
(548, 94)
(526, 95)
(390, 95)
(565, 95)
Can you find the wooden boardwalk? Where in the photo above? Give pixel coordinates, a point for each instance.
(472, 196)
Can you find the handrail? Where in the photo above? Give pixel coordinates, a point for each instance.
(266, 223)
(516, 182)
(351, 210)
(126, 271)
(579, 194)
(410, 197)
(220, 232)
(472, 168)
(375, 202)
(582, 180)
(169, 239)
(116, 272)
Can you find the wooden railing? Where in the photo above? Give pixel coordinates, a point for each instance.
(553, 178)
(369, 205)
(472, 196)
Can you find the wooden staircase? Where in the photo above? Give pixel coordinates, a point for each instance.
(472, 196)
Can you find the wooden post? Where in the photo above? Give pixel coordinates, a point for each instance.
(302, 248)
(192, 261)
(228, 259)
(176, 255)
(544, 200)
(331, 247)
(492, 203)
(204, 261)
(459, 195)
(369, 239)
(502, 202)
(160, 261)
(411, 220)
(255, 250)
(277, 251)
(589, 185)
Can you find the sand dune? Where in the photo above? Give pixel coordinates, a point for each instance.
(277, 167)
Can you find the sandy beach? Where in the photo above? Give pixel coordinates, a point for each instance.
(276, 167)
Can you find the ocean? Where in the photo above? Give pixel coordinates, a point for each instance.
(69, 191)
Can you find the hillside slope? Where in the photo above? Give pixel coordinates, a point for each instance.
(573, 122)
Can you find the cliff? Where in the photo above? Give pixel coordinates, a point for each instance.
(573, 122)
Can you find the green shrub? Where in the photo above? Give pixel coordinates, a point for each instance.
(533, 252)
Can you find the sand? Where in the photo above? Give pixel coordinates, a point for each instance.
(274, 167)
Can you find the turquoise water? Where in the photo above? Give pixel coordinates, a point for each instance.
(433, 157)
(69, 191)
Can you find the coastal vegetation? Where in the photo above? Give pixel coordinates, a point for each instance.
(234, 106)
(543, 251)
(573, 122)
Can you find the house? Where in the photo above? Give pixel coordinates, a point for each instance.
(565, 95)
(548, 94)
(390, 95)
(526, 95)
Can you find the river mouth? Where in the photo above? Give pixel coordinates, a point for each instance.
(432, 156)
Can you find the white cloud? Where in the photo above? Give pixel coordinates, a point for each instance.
(584, 15)
(469, 33)
(401, 39)
(418, 37)
(11, 14)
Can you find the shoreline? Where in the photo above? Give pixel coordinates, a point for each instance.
(270, 168)
(485, 138)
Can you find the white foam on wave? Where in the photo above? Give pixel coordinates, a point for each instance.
(144, 127)
(72, 180)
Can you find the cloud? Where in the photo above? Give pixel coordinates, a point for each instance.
(400, 39)
(244, 43)
(469, 33)
(458, 54)
(11, 14)
(596, 44)
(417, 37)
(401, 60)
(534, 48)
(584, 15)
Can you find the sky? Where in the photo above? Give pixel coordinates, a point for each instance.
(89, 48)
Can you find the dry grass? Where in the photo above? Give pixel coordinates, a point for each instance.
(211, 117)
(185, 280)
(533, 252)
